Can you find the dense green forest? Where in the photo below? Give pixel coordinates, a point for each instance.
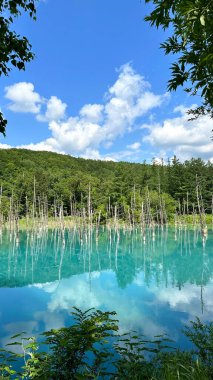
(57, 178)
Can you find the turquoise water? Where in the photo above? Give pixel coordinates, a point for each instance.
(156, 282)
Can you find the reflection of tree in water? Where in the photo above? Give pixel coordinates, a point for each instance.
(46, 257)
(126, 270)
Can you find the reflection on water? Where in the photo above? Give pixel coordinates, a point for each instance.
(155, 280)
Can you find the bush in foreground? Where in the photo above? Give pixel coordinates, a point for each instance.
(92, 348)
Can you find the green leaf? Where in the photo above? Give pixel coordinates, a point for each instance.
(20, 334)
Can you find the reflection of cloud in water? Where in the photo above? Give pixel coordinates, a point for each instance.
(50, 320)
(72, 292)
(139, 279)
(101, 291)
(48, 286)
(153, 289)
(150, 310)
(28, 327)
(189, 300)
(32, 328)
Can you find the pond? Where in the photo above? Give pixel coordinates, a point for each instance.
(156, 281)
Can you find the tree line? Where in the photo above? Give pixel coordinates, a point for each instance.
(25, 174)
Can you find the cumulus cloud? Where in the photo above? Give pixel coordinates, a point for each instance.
(92, 112)
(23, 98)
(96, 125)
(129, 86)
(55, 110)
(185, 138)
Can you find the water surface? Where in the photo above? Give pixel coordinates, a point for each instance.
(156, 282)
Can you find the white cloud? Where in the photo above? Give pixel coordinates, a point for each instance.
(123, 155)
(129, 85)
(128, 99)
(92, 112)
(55, 110)
(76, 135)
(23, 98)
(5, 146)
(48, 145)
(92, 154)
(96, 125)
(185, 138)
(134, 146)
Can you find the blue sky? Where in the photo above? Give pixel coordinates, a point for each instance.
(97, 87)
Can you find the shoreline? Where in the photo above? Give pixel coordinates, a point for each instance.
(69, 222)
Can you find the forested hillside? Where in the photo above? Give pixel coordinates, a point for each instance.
(25, 174)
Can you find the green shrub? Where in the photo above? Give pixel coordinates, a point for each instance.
(91, 348)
